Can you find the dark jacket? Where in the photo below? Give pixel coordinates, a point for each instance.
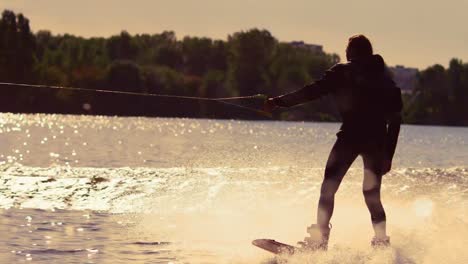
(366, 96)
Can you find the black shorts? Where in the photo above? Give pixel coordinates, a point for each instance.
(346, 150)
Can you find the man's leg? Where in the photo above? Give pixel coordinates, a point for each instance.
(371, 190)
(340, 159)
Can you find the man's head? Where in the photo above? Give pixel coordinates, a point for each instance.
(358, 47)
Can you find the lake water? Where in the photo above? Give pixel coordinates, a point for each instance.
(81, 189)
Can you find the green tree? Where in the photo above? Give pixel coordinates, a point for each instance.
(17, 48)
(124, 76)
(197, 53)
(251, 53)
(219, 56)
(432, 95)
(163, 80)
(168, 52)
(122, 47)
(213, 85)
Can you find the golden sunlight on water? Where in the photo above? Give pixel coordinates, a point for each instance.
(79, 189)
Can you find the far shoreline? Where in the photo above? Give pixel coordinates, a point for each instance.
(215, 119)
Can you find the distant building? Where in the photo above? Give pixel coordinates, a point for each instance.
(317, 49)
(405, 78)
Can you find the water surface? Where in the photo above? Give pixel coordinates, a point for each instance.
(80, 189)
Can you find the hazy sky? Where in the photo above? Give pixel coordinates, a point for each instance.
(414, 33)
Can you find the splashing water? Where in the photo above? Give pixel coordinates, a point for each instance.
(181, 190)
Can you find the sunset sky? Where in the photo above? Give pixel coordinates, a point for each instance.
(415, 33)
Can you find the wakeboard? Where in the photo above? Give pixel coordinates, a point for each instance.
(275, 247)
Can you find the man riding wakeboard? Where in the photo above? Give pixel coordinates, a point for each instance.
(369, 103)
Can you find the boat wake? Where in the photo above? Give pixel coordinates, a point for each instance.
(212, 214)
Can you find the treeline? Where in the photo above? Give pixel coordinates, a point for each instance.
(248, 62)
(441, 96)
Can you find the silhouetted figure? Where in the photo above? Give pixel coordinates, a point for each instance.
(369, 103)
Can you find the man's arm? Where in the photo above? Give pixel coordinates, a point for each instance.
(393, 128)
(310, 92)
(393, 131)
(303, 95)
